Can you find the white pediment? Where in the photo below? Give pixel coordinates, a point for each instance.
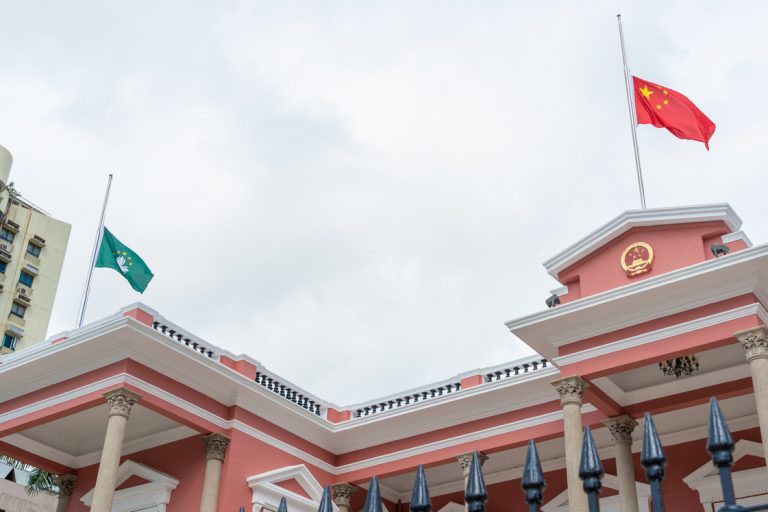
(151, 496)
(267, 494)
(749, 482)
(452, 506)
(640, 218)
(608, 504)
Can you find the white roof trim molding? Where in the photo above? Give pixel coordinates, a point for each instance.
(737, 235)
(267, 494)
(749, 482)
(640, 218)
(156, 492)
(608, 504)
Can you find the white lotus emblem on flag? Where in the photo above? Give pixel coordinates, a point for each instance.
(122, 264)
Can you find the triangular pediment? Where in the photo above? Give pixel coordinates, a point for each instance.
(749, 482)
(155, 490)
(560, 502)
(743, 448)
(631, 219)
(269, 487)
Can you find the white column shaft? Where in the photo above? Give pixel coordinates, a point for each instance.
(625, 471)
(759, 368)
(211, 479)
(110, 460)
(577, 499)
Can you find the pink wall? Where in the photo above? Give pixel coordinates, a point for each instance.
(674, 246)
(247, 457)
(183, 460)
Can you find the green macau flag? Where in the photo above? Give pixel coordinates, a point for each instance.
(114, 254)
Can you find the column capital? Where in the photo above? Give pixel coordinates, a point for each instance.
(754, 341)
(215, 446)
(121, 401)
(65, 482)
(621, 428)
(465, 461)
(342, 494)
(571, 389)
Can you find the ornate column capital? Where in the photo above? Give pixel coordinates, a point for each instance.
(215, 446)
(465, 461)
(121, 401)
(571, 389)
(621, 428)
(65, 483)
(754, 341)
(342, 494)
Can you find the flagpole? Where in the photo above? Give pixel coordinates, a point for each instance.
(99, 233)
(632, 115)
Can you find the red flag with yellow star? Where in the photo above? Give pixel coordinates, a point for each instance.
(665, 108)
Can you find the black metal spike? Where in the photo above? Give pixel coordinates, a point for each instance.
(283, 507)
(720, 445)
(325, 501)
(533, 478)
(373, 500)
(242, 509)
(719, 440)
(420, 501)
(654, 461)
(475, 495)
(591, 470)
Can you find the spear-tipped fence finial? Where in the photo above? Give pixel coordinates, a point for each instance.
(533, 478)
(373, 500)
(420, 501)
(242, 509)
(325, 500)
(591, 470)
(475, 495)
(283, 507)
(720, 445)
(654, 461)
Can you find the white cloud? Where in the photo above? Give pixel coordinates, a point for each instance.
(360, 194)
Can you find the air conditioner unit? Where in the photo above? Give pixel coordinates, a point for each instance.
(23, 298)
(23, 291)
(4, 247)
(15, 329)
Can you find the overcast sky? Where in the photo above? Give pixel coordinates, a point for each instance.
(359, 194)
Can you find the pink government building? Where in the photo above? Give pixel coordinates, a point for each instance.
(133, 412)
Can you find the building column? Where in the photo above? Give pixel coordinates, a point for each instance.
(621, 428)
(66, 483)
(342, 495)
(465, 462)
(120, 403)
(215, 451)
(755, 344)
(571, 391)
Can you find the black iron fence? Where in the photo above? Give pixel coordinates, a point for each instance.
(719, 444)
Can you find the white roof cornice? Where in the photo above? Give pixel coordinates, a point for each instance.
(679, 290)
(640, 218)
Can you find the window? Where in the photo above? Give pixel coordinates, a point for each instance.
(9, 341)
(3, 266)
(6, 235)
(18, 310)
(33, 249)
(26, 279)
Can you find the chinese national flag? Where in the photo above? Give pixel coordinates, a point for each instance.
(665, 108)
